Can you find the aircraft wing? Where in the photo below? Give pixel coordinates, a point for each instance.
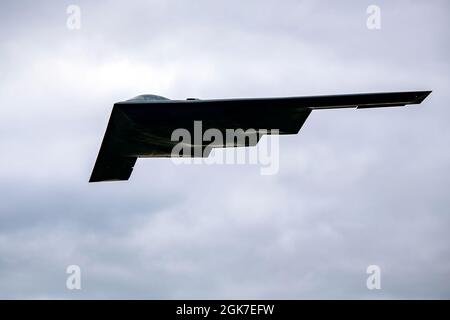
(144, 128)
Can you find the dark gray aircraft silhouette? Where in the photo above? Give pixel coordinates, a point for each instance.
(143, 126)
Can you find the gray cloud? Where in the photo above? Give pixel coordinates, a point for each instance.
(355, 187)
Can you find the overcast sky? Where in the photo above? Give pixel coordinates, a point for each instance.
(355, 187)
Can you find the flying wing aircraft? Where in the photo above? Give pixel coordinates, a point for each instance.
(143, 126)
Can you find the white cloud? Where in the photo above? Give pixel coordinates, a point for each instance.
(355, 187)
